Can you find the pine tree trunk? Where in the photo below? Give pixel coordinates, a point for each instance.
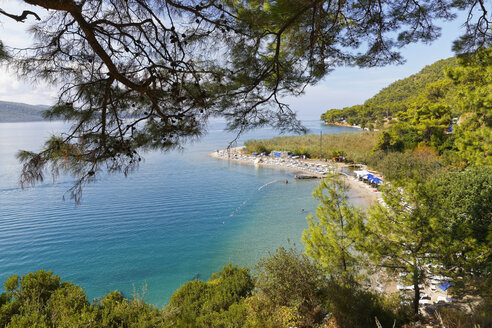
(416, 296)
(344, 264)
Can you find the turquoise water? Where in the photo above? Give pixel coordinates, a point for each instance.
(181, 215)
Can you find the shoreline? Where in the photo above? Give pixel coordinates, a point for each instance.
(348, 126)
(315, 168)
(342, 124)
(249, 159)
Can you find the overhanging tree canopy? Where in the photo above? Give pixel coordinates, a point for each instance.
(147, 74)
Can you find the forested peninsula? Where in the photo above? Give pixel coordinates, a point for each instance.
(439, 117)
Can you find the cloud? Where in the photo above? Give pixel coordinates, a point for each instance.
(14, 89)
(14, 34)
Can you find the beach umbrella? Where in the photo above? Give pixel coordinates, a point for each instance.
(445, 285)
(376, 180)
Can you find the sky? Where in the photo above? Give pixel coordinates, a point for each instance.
(345, 86)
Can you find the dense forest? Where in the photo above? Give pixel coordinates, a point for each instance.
(288, 290)
(447, 106)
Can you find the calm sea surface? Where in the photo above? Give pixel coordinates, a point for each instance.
(181, 215)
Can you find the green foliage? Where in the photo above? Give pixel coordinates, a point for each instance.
(465, 199)
(400, 167)
(188, 301)
(292, 281)
(440, 224)
(262, 313)
(40, 299)
(427, 104)
(291, 290)
(331, 237)
(69, 307)
(400, 96)
(235, 316)
(116, 311)
(474, 101)
(351, 306)
(199, 302)
(294, 291)
(401, 234)
(401, 136)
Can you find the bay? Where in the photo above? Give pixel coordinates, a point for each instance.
(181, 215)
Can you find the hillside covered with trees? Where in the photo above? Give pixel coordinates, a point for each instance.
(447, 106)
(433, 149)
(398, 97)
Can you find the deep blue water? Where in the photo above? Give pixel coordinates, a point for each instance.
(181, 215)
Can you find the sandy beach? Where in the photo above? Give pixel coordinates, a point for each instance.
(314, 168)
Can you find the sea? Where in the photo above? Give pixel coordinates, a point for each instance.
(182, 215)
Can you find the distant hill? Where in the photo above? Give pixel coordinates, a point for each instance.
(19, 112)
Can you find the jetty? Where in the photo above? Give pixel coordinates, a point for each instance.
(306, 176)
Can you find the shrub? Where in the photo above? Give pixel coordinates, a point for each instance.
(41, 299)
(411, 165)
(292, 283)
(350, 306)
(200, 302)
